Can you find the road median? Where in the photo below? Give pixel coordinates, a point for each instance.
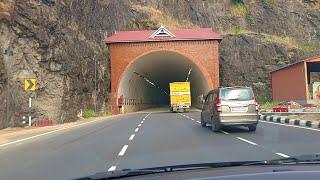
(290, 121)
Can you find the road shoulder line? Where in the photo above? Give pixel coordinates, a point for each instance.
(290, 122)
(51, 132)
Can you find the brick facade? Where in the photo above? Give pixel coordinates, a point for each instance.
(203, 53)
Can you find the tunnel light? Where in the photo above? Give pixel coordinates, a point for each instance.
(189, 72)
(150, 82)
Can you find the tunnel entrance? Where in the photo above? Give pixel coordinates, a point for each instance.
(145, 83)
(143, 63)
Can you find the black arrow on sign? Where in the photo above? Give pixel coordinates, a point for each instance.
(30, 84)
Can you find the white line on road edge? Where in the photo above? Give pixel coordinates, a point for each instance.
(282, 155)
(136, 130)
(50, 132)
(292, 126)
(131, 137)
(123, 150)
(188, 117)
(112, 168)
(247, 141)
(224, 132)
(139, 125)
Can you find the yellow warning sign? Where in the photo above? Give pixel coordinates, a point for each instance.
(30, 84)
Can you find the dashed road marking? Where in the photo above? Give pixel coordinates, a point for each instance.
(142, 122)
(123, 150)
(199, 122)
(112, 168)
(188, 117)
(136, 130)
(139, 125)
(224, 132)
(247, 141)
(282, 155)
(131, 137)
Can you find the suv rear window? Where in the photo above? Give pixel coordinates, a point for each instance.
(239, 94)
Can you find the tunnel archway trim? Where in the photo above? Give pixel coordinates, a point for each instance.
(203, 70)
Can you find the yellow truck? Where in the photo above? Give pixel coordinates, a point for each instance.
(180, 97)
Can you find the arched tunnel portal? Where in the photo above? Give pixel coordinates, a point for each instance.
(145, 81)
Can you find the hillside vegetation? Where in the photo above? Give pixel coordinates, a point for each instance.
(57, 41)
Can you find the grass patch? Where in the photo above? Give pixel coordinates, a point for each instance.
(237, 30)
(308, 47)
(163, 19)
(142, 23)
(268, 105)
(107, 112)
(265, 101)
(250, 19)
(88, 113)
(238, 9)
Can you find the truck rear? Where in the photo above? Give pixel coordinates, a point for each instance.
(180, 97)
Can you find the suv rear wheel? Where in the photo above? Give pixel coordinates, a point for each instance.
(203, 124)
(252, 127)
(215, 125)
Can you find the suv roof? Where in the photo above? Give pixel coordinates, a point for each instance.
(228, 87)
(235, 87)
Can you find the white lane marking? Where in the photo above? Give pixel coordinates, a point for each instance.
(142, 122)
(136, 130)
(199, 122)
(123, 150)
(188, 117)
(247, 141)
(292, 126)
(139, 125)
(282, 155)
(131, 137)
(224, 132)
(112, 168)
(147, 115)
(50, 132)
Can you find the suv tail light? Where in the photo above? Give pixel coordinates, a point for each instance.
(218, 105)
(257, 105)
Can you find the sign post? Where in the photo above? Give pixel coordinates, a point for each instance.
(30, 86)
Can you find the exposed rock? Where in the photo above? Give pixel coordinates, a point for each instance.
(248, 59)
(55, 42)
(54, 66)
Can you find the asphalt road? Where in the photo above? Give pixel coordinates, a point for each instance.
(143, 140)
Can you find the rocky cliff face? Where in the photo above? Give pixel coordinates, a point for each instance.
(57, 41)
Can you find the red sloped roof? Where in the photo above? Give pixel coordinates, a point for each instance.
(309, 60)
(180, 35)
(313, 59)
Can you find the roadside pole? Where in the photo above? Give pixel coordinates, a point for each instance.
(30, 105)
(30, 87)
